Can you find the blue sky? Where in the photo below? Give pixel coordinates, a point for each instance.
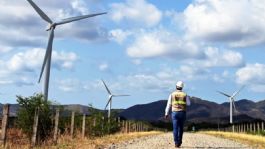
(140, 47)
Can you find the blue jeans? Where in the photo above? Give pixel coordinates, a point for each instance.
(178, 119)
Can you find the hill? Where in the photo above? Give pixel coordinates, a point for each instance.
(199, 111)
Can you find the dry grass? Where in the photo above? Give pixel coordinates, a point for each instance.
(253, 140)
(65, 141)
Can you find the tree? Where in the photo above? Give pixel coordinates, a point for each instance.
(26, 113)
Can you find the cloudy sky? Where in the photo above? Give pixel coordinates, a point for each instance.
(141, 48)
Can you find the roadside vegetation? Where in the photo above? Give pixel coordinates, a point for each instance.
(99, 130)
(66, 142)
(254, 140)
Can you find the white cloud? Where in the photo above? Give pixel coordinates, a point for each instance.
(22, 26)
(163, 80)
(32, 60)
(69, 85)
(5, 49)
(239, 23)
(136, 11)
(64, 60)
(215, 57)
(103, 67)
(221, 78)
(80, 5)
(119, 35)
(224, 58)
(253, 75)
(162, 43)
(23, 66)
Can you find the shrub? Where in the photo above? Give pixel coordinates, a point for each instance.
(26, 113)
(99, 125)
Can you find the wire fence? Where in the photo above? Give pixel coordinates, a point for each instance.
(247, 127)
(71, 125)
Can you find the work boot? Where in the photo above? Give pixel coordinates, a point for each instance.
(177, 145)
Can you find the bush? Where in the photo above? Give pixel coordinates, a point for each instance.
(99, 125)
(26, 114)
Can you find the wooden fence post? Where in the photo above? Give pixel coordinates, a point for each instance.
(35, 127)
(123, 126)
(137, 126)
(56, 123)
(4, 123)
(129, 127)
(72, 124)
(254, 126)
(247, 128)
(119, 121)
(258, 127)
(84, 125)
(94, 122)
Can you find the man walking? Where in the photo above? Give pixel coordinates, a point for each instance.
(177, 101)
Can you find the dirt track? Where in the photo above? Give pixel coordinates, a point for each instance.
(190, 140)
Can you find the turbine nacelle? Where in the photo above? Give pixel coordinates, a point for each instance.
(51, 26)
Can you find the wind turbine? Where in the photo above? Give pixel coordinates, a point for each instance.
(109, 103)
(47, 58)
(232, 102)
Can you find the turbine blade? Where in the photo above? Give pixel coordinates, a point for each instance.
(40, 12)
(120, 95)
(106, 87)
(234, 105)
(224, 94)
(235, 93)
(68, 20)
(108, 103)
(48, 52)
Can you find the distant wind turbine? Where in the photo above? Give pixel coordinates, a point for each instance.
(109, 103)
(232, 102)
(47, 58)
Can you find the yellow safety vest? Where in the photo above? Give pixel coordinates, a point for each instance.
(178, 101)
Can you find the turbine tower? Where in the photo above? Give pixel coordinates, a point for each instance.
(109, 103)
(232, 102)
(47, 58)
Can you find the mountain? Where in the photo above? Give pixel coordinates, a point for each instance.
(67, 109)
(200, 111)
(13, 109)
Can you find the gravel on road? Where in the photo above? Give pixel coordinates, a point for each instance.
(190, 141)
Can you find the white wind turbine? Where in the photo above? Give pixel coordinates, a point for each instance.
(47, 58)
(109, 103)
(232, 102)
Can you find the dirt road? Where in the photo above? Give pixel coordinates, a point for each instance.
(190, 140)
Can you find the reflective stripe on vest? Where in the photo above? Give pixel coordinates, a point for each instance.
(178, 101)
(181, 102)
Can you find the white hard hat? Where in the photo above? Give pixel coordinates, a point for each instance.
(180, 84)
